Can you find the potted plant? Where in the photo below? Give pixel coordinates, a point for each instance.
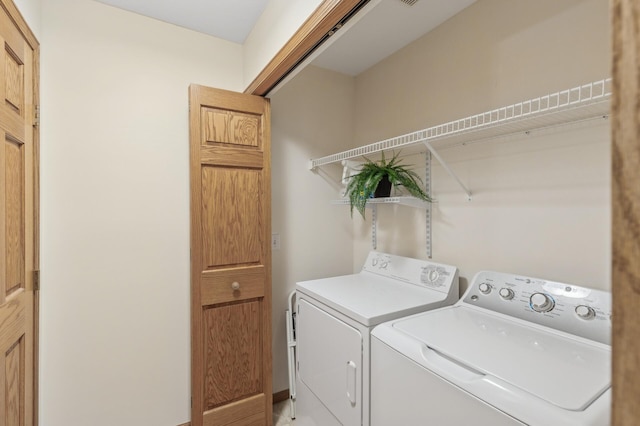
(375, 179)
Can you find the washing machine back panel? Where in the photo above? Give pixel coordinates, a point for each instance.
(569, 308)
(330, 361)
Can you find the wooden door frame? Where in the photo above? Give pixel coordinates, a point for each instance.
(19, 21)
(625, 212)
(309, 36)
(625, 172)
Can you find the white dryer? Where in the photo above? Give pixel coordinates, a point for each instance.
(514, 350)
(334, 317)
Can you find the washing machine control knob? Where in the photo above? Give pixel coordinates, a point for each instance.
(541, 302)
(585, 312)
(484, 288)
(506, 293)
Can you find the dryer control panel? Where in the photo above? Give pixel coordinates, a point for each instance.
(573, 309)
(419, 272)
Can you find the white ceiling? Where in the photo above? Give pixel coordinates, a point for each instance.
(230, 20)
(387, 26)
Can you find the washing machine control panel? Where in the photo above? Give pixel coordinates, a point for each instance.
(573, 309)
(424, 273)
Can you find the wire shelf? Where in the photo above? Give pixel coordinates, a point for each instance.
(577, 104)
(406, 201)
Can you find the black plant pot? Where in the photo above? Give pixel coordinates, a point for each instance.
(384, 188)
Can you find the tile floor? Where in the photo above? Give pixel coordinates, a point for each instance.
(282, 414)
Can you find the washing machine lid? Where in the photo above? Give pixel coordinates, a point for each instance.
(370, 299)
(565, 371)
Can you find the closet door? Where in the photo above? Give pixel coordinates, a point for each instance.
(230, 258)
(18, 219)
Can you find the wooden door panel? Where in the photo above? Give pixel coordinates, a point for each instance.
(231, 216)
(14, 383)
(13, 216)
(231, 127)
(15, 356)
(233, 353)
(230, 258)
(12, 86)
(14, 81)
(249, 411)
(219, 156)
(232, 285)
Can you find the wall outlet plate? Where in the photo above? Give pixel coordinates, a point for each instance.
(275, 241)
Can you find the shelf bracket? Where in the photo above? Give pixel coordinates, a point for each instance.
(447, 168)
(427, 186)
(374, 219)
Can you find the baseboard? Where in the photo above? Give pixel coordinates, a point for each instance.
(283, 395)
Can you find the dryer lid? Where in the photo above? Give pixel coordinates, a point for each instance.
(370, 299)
(567, 372)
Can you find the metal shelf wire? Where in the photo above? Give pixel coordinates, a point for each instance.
(577, 104)
(405, 201)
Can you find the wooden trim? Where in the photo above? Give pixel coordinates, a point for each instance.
(195, 94)
(625, 212)
(303, 42)
(20, 22)
(36, 237)
(283, 395)
(267, 301)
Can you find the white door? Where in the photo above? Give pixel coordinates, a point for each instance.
(330, 362)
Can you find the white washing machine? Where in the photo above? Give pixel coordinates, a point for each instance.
(514, 350)
(334, 317)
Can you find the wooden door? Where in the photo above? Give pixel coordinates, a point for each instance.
(230, 258)
(18, 235)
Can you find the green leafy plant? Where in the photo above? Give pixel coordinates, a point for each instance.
(363, 185)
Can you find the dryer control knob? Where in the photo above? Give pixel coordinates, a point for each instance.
(506, 293)
(585, 312)
(432, 275)
(484, 288)
(541, 302)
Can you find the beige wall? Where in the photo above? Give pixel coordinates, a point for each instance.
(115, 342)
(311, 115)
(279, 21)
(541, 202)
